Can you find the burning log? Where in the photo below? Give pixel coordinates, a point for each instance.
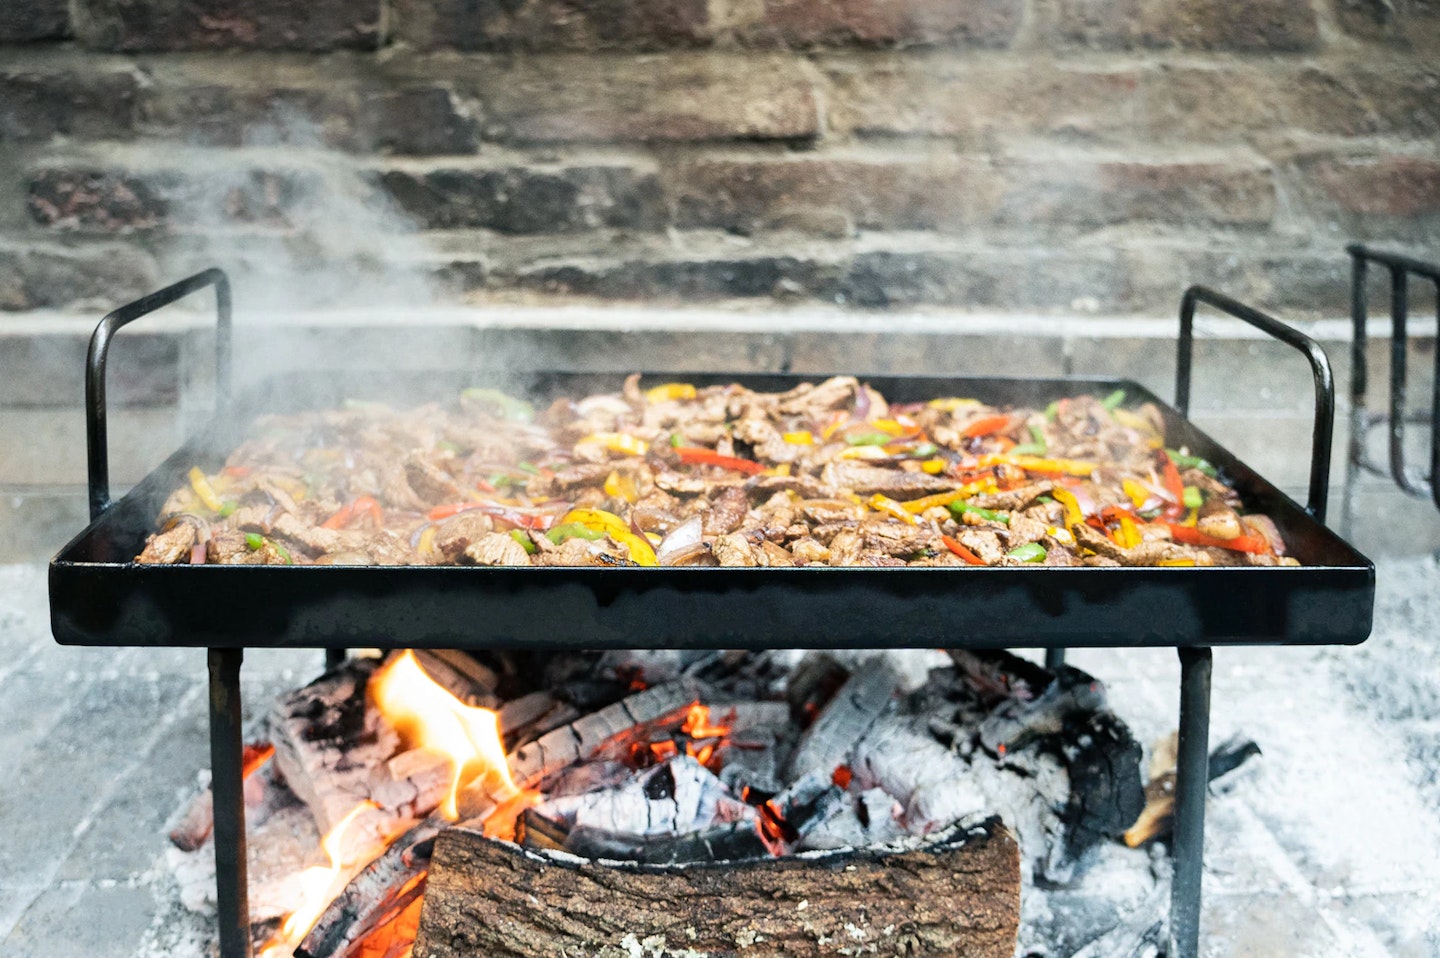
(375, 896)
(612, 728)
(959, 894)
(193, 826)
(328, 740)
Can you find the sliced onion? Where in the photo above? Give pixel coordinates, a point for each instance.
(686, 556)
(682, 538)
(862, 402)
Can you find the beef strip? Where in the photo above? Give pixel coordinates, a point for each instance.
(867, 480)
(1013, 498)
(495, 548)
(172, 545)
(431, 483)
(734, 550)
(454, 536)
(727, 511)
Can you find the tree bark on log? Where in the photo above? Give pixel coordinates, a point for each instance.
(959, 895)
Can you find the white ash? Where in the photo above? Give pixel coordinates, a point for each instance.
(672, 798)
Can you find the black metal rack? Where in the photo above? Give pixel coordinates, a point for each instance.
(1398, 416)
(99, 596)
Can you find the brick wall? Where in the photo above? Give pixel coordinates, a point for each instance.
(1001, 155)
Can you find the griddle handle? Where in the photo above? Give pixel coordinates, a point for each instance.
(97, 440)
(1401, 269)
(1319, 369)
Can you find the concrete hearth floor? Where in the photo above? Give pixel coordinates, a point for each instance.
(1329, 847)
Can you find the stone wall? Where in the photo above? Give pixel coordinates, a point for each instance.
(997, 155)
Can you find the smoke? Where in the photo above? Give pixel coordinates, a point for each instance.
(297, 227)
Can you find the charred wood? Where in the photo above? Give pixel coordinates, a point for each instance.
(957, 895)
(375, 896)
(859, 704)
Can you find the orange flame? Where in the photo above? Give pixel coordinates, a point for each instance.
(319, 885)
(432, 718)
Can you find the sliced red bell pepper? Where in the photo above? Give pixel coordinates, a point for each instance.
(1194, 537)
(535, 521)
(986, 426)
(695, 456)
(964, 553)
(360, 505)
(1173, 485)
(236, 472)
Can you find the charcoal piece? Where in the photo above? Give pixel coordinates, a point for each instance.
(812, 685)
(535, 830)
(805, 806)
(859, 704)
(735, 841)
(997, 675)
(1106, 795)
(1015, 723)
(677, 796)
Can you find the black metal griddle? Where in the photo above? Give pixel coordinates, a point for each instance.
(99, 596)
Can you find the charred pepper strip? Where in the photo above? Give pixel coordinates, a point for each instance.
(1173, 485)
(986, 426)
(990, 515)
(670, 392)
(1194, 537)
(360, 505)
(1192, 462)
(917, 506)
(892, 508)
(1073, 514)
(1030, 552)
(1065, 467)
(696, 456)
(204, 491)
(954, 546)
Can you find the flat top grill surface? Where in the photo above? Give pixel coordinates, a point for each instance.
(99, 596)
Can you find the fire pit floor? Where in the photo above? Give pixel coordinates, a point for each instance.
(1335, 822)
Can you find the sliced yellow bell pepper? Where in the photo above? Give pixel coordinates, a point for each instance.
(932, 467)
(1073, 515)
(1062, 536)
(616, 442)
(1128, 536)
(669, 392)
(863, 452)
(1138, 494)
(1176, 562)
(952, 403)
(802, 438)
(616, 528)
(917, 506)
(204, 490)
(890, 427)
(621, 487)
(1129, 420)
(1069, 467)
(892, 508)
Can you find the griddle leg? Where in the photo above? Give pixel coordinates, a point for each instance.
(1191, 783)
(1054, 658)
(228, 786)
(334, 658)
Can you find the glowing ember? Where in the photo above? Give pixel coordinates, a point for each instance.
(430, 717)
(320, 884)
(697, 723)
